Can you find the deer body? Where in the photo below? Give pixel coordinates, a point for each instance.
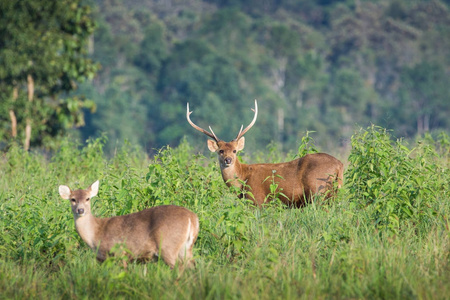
(166, 231)
(297, 180)
(294, 192)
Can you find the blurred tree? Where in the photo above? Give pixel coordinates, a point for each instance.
(348, 94)
(196, 74)
(306, 83)
(122, 110)
(153, 50)
(130, 45)
(424, 96)
(43, 52)
(381, 42)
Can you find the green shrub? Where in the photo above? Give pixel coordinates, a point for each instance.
(396, 183)
(177, 176)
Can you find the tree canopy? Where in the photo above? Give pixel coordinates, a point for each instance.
(43, 53)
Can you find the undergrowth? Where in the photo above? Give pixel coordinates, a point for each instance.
(385, 235)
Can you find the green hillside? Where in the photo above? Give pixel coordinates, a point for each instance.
(324, 66)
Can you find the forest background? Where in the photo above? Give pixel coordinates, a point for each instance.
(126, 69)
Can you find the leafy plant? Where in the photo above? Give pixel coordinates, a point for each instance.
(307, 145)
(235, 220)
(275, 192)
(180, 177)
(397, 184)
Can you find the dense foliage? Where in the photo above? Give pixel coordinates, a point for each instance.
(43, 56)
(401, 183)
(386, 234)
(318, 65)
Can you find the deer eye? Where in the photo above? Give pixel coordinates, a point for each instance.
(234, 151)
(221, 151)
(87, 199)
(73, 200)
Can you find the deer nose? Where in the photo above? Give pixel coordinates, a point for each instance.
(80, 211)
(228, 160)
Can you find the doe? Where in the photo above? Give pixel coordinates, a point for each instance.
(166, 231)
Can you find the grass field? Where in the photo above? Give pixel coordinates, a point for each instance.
(385, 236)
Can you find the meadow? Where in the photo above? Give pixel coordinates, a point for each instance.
(386, 234)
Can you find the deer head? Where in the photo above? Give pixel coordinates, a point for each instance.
(80, 200)
(227, 151)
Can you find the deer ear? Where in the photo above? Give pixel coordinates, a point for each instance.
(212, 146)
(93, 189)
(241, 143)
(64, 192)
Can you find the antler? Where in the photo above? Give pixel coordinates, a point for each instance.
(242, 132)
(210, 134)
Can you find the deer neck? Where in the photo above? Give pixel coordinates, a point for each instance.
(87, 227)
(234, 175)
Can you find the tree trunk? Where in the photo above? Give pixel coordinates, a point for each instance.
(426, 122)
(12, 114)
(280, 121)
(279, 75)
(419, 125)
(30, 82)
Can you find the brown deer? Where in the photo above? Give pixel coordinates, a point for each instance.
(166, 231)
(297, 180)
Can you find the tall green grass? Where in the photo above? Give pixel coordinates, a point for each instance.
(385, 236)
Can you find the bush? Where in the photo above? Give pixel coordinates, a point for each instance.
(397, 184)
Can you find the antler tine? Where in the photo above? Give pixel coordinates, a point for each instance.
(211, 135)
(242, 132)
(239, 134)
(215, 137)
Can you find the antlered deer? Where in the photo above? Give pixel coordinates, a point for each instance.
(300, 179)
(166, 231)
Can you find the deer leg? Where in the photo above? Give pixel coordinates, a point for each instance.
(169, 258)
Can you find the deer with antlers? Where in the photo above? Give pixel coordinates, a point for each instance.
(297, 180)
